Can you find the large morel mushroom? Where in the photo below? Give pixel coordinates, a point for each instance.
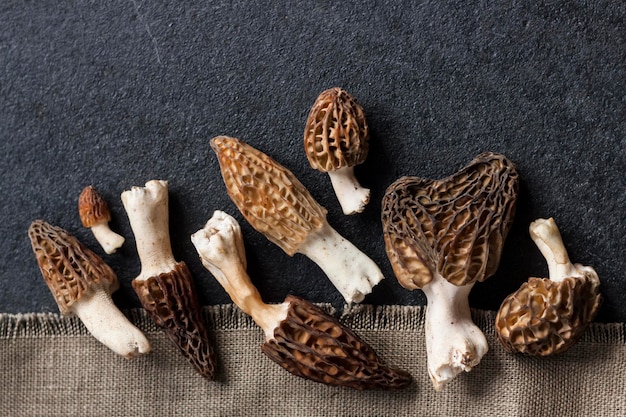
(276, 204)
(299, 336)
(546, 316)
(443, 236)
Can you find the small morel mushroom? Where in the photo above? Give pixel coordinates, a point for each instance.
(547, 316)
(299, 336)
(442, 236)
(336, 139)
(94, 213)
(276, 204)
(165, 287)
(81, 284)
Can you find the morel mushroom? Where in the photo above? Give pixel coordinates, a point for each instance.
(164, 286)
(547, 316)
(442, 236)
(299, 336)
(94, 214)
(81, 284)
(276, 204)
(336, 139)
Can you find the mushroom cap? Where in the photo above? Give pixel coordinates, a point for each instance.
(312, 344)
(454, 227)
(92, 208)
(268, 195)
(336, 133)
(545, 317)
(70, 269)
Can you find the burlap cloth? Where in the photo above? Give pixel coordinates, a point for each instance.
(50, 366)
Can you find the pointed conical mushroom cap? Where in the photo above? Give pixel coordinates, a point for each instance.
(69, 268)
(312, 344)
(545, 317)
(336, 133)
(268, 195)
(454, 227)
(92, 208)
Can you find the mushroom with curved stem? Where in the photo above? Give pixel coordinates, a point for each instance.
(299, 336)
(276, 204)
(336, 139)
(546, 316)
(94, 214)
(164, 286)
(82, 283)
(443, 236)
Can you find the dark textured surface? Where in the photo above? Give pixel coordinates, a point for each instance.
(117, 93)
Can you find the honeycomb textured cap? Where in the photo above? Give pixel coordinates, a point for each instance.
(336, 133)
(92, 207)
(312, 344)
(170, 300)
(545, 317)
(454, 227)
(267, 194)
(70, 269)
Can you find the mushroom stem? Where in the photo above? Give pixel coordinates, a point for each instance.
(547, 237)
(453, 342)
(351, 195)
(108, 239)
(350, 270)
(221, 249)
(147, 209)
(108, 325)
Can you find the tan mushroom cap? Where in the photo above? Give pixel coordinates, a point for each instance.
(268, 195)
(312, 344)
(336, 133)
(454, 227)
(92, 207)
(70, 269)
(545, 317)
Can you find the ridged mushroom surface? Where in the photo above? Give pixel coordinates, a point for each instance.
(454, 227)
(336, 133)
(312, 344)
(92, 207)
(545, 317)
(268, 195)
(70, 269)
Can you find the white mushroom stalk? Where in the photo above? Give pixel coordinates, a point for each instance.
(454, 344)
(82, 283)
(352, 196)
(164, 286)
(221, 249)
(546, 235)
(276, 204)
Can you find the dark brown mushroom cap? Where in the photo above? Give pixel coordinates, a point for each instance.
(268, 195)
(336, 133)
(69, 268)
(92, 207)
(454, 227)
(170, 300)
(545, 317)
(311, 344)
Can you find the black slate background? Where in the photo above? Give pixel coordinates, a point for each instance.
(117, 93)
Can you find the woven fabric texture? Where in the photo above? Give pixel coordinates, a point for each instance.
(51, 366)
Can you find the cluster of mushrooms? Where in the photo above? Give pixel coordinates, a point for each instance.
(441, 236)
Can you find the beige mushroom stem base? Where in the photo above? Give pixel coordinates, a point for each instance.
(453, 342)
(109, 326)
(107, 238)
(352, 272)
(547, 237)
(222, 252)
(351, 195)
